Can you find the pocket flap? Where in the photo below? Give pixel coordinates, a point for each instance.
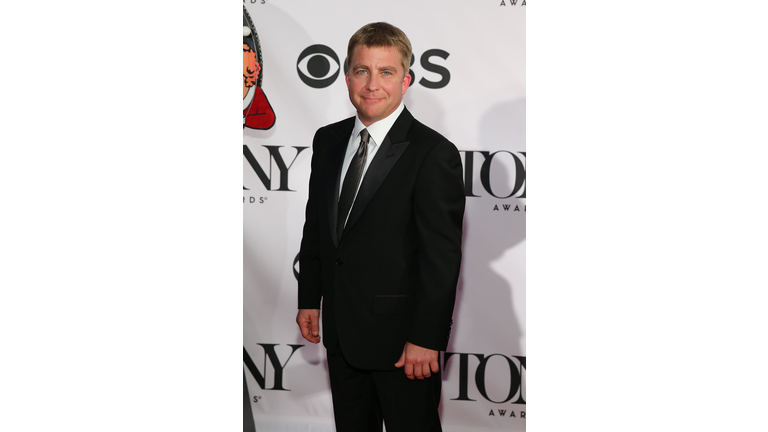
(392, 304)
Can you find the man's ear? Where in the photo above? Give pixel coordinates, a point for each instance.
(406, 82)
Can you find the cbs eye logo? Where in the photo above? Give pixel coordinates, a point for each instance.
(318, 66)
(315, 66)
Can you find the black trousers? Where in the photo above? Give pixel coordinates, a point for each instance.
(363, 398)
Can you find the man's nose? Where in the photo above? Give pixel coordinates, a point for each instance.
(373, 83)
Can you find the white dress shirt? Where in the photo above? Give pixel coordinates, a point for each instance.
(378, 131)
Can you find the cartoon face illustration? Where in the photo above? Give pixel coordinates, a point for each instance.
(251, 69)
(257, 111)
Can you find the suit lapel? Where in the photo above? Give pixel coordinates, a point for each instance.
(391, 149)
(338, 142)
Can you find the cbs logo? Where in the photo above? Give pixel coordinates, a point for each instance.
(318, 66)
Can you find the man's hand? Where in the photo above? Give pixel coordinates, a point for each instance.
(419, 362)
(309, 323)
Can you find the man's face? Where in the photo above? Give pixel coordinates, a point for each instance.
(376, 82)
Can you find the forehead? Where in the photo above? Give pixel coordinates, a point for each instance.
(376, 57)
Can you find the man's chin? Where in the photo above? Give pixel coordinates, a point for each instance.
(373, 115)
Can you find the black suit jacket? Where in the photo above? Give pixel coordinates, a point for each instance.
(392, 277)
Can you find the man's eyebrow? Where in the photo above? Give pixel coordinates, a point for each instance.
(383, 68)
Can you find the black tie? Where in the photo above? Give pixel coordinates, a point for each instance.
(351, 182)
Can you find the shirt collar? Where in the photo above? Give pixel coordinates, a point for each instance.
(380, 129)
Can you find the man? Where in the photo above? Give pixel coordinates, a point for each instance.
(381, 246)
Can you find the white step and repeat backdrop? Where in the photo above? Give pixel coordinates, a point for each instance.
(469, 70)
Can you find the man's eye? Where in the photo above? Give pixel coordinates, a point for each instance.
(360, 72)
(387, 73)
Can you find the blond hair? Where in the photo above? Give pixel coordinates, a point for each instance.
(381, 34)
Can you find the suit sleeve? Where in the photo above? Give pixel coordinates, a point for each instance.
(439, 212)
(310, 286)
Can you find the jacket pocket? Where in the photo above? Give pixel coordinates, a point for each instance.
(392, 304)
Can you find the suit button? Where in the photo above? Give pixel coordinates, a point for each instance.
(339, 261)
